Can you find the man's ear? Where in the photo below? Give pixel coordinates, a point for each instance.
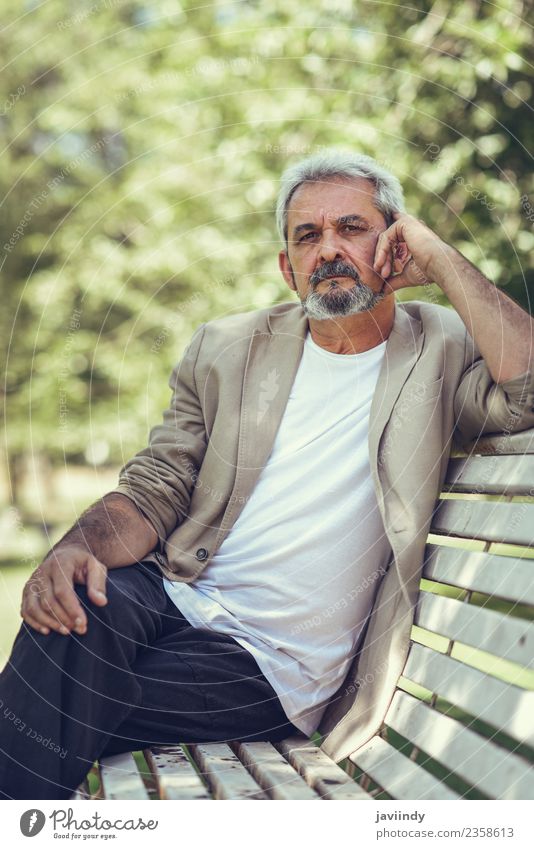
(287, 272)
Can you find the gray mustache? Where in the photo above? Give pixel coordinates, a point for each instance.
(333, 269)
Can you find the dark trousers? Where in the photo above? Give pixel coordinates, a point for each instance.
(140, 675)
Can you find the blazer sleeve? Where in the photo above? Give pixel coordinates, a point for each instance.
(160, 478)
(483, 406)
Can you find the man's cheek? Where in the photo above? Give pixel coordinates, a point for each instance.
(364, 264)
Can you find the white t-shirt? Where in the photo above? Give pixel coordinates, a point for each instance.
(295, 579)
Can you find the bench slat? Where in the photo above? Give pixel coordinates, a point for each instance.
(320, 771)
(225, 774)
(499, 443)
(505, 636)
(397, 774)
(491, 475)
(496, 772)
(487, 520)
(273, 772)
(175, 776)
(502, 705)
(510, 578)
(121, 779)
(82, 792)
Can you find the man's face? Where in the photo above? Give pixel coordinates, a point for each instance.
(333, 228)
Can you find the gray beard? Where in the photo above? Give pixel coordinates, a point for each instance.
(338, 302)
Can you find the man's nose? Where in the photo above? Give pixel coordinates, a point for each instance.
(329, 248)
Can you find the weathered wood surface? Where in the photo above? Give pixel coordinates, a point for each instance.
(121, 779)
(510, 578)
(502, 705)
(492, 475)
(397, 774)
(496, 772)
(174, 774)
(499, 443)
(231, 771)
(493, 521)
(82, 793)
(273, 772)
(224, 772)
(320, 771)
(505, 636)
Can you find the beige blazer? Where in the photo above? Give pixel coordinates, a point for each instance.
(229, 394)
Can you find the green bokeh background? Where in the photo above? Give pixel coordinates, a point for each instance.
(142, 145)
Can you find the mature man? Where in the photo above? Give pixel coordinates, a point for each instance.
(272, 534)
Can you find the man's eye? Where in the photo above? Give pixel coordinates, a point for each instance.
(351, 227)
(308, 236)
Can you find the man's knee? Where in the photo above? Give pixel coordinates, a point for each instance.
(115, 587)
(126, 590)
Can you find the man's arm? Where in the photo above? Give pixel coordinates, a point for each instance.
(111, 533)
(153, 496)
(113, 530)
(159, 479)
(502, 331)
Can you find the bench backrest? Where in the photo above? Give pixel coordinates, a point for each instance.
(463, 711)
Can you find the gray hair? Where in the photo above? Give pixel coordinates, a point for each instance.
(332, 162)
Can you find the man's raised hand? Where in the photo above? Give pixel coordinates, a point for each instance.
(406, 251)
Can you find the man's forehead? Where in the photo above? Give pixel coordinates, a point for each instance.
(333, 199)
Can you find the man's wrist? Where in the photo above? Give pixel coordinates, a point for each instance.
(444, 265)
(70, 541)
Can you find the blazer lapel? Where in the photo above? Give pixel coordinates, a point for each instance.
(403, 348)
(273, 359)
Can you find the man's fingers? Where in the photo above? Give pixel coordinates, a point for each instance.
(96, 579)
(67, 603)
(380, 255)
(33, 613)
(383, 262)
(51, 605)
(49, 599)
(35, 624)
(383, 265)
(391, 251)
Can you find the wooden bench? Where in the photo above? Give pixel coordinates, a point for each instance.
(461, 722)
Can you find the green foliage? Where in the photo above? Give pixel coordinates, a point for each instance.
(143, 143)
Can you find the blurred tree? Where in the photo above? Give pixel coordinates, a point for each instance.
(142, 147)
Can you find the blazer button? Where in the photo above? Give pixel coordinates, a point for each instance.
(202, 554)
(160, 558)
